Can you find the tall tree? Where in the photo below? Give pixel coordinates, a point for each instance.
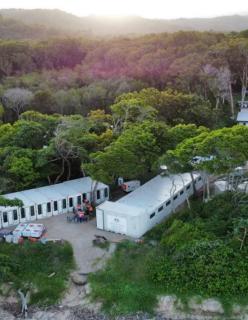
(17, 99)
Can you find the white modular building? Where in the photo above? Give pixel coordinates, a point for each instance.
(242, 117)
(51, 200)
(139, 211)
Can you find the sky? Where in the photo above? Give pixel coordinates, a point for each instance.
(167, 9)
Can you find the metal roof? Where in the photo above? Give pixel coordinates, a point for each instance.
(156, 191)
(150, 195)
(18, 195)
(83, 184)
(243, 116)
(50, 193)
(35, 196)
(53, 192)
(122, 208)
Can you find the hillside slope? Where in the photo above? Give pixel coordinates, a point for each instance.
(17, 30)
(96, 25)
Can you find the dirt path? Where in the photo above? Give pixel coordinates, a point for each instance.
(75, 304)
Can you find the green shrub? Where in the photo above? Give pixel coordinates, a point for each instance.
(198, 254)
(181, 234)
(29, 265)
(208, 268)
(123, 285)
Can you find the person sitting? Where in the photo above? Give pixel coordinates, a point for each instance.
(81, 216)
(75, 218)
(83, 206)
(90, 209)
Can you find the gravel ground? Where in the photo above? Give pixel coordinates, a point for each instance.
(74, 313)
(80, 235)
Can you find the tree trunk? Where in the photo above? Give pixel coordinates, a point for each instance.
(244, 81)
(94, 193)
(208, 189)
(24, 301)
(231, 99)
(172, 192)
(68, 177)
(61, 172)
(217, 103)
(193, 183)
(185, 191)
(204, 197)
(243, 240)
(49, 180)
(82, 171)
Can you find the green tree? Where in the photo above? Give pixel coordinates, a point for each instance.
(43, 101)
(129, 111)
(132, 155)
(23, 171)
(28, 134)
(4, 202)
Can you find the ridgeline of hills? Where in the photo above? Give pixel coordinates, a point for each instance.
(41, 24)
(17, 30)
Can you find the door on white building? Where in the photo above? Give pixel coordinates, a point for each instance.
(49, 209)
(41, 210)
(117, 224)
(100, 219)
(15, 217)
(32, 213)
(64, 205)
(55, 207)
(24, 214)
(70, 204)
(5, 219)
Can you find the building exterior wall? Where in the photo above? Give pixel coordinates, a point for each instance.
(36, 216)
(244, 123)
(137, 226)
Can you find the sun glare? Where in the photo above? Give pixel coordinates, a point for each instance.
(111, 8)
(145, 8)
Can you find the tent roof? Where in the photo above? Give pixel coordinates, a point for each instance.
(221, 185)
(18, 195)
(83, 184)
(243, 186)
(35, 196)
(50, 193)
(53, 192)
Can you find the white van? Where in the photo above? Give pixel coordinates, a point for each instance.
(130, 185)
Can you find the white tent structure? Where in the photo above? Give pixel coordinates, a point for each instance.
(51, 200)
(243, 187)
(220, 186)
(139, 211)
(242, 117)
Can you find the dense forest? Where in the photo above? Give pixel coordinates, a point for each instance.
(18, 30)
(123, 107)
(65, 102)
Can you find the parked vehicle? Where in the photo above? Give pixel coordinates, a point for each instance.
(198, 159)
(130, 185)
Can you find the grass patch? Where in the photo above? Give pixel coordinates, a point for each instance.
(198, 254)
(123, 286)
(28, 267)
